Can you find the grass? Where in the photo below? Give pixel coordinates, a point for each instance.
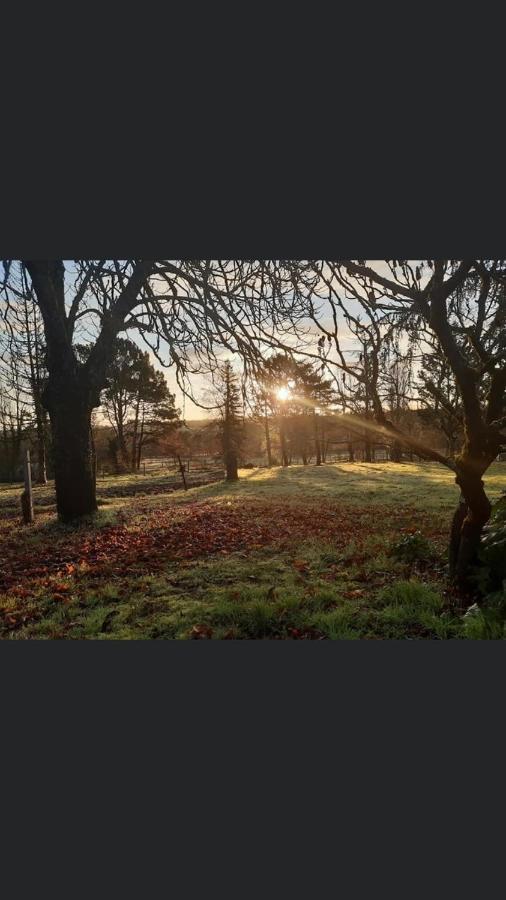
(301, 553)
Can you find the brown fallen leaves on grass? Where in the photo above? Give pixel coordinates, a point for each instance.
(146, 538)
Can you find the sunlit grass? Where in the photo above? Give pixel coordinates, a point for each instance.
(351, 588)
(359, 483)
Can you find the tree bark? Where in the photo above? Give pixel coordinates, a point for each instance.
(123, 460)
(469, 519)
(41, 450)
(455, 532)
(231, 465)
(93, 455)
(70, 414)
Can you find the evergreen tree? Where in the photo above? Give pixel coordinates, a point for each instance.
(137, 403)
(294, 392)
(231, 421)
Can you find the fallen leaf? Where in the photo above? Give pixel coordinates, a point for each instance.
(201, 632)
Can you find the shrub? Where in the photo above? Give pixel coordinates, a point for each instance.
(413, 548)
(490, 576)
(492, 571)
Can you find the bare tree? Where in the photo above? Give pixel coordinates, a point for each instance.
(23, 357)
(396, 386)
(185, 311)
(462, 304)
(13, 421)
(439, 397)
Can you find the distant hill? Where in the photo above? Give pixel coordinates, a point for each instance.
(197, 424)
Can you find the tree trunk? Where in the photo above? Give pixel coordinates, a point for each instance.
(231, 465)
(351, 454)
(134, 465)
(472, 513)
(268, 440)
(70, 414)
(455, 532)
(93, 455)
(395, 452)
(317, 441)
(367, 451)
(123, 460)
(140, 441)
(41, 451)
(282, 437)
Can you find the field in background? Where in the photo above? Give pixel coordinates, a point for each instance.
(297, 553)
(156, 476)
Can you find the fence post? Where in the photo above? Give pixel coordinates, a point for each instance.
(27, 495)
(182, 470)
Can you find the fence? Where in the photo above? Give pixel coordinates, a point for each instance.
(172, 473)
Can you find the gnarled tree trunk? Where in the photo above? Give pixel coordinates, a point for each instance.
(471, 515)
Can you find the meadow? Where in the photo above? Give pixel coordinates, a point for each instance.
(342, 551)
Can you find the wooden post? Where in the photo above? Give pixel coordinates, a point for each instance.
(27, 495)
(182, 470)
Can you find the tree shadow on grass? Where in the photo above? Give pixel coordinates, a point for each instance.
(388, 483)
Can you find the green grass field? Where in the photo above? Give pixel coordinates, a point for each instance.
(298, 553)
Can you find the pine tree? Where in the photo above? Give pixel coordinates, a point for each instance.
(137, 403)
(297, 414)
(231, 424)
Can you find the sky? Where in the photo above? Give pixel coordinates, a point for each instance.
(199, 383)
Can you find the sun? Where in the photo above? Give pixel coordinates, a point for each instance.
(283, 393)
